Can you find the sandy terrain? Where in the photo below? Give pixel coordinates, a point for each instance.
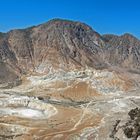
(80, 105)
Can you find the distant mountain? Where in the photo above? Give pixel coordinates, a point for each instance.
(64, 45)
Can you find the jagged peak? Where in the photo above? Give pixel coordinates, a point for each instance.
(129, 36)
(66, 21)
(125, 36)
(63, 22)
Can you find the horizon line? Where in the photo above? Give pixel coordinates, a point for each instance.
(70, 20)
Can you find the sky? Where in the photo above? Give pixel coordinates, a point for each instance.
(104, 16)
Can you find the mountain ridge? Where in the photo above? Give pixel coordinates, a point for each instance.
(68, 20)
(74, 45)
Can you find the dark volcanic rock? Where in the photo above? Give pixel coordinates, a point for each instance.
(131, 127)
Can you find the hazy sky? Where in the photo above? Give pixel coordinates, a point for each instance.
(105, 16)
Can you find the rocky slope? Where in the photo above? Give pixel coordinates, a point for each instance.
(124, 51)
(63, 44)
(62, 80)
(79, 104)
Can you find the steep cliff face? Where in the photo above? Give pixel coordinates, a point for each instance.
(66, 45)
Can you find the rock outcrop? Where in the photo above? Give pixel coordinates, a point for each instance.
(130, 129)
